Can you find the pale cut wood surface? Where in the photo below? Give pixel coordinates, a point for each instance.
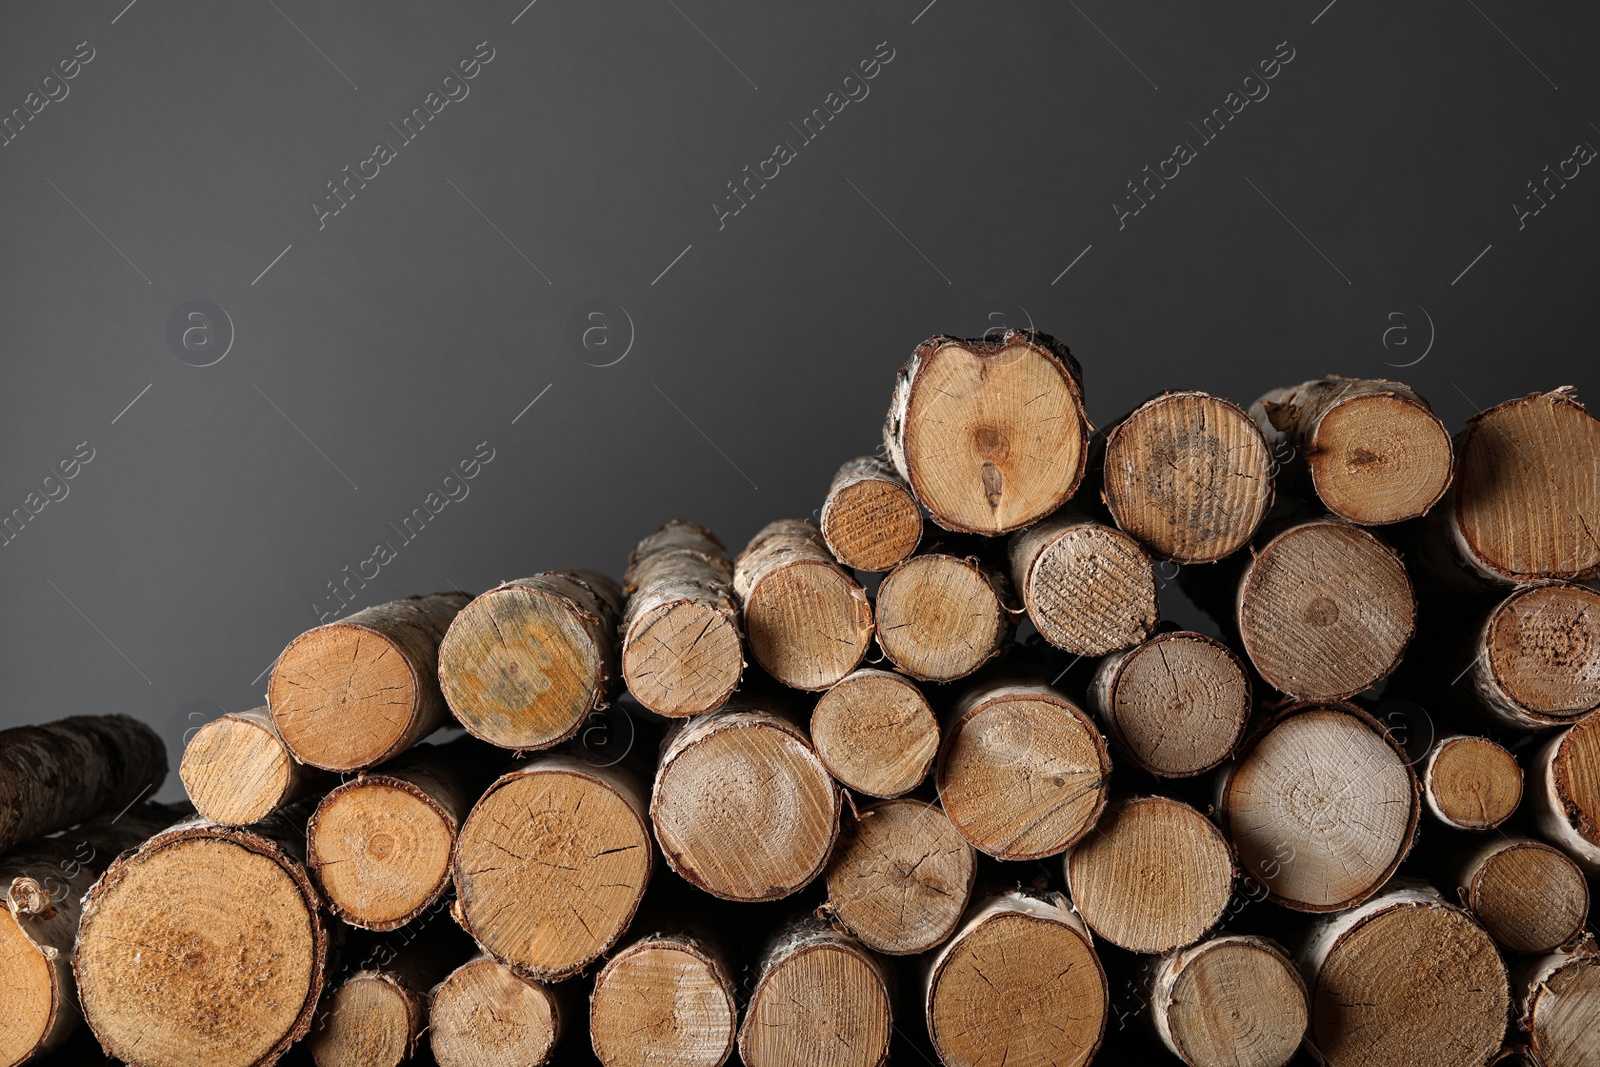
(1089, 588)
(1230, 1001)
(666, 1000)
(820, 1000)
(875, 732)
(1561, 1008)
(940, 617)
(870, 518)
(486, 1015)
(236, 770)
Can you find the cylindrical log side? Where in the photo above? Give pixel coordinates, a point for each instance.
(64, 772)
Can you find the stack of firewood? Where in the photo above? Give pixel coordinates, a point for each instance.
(930, 776)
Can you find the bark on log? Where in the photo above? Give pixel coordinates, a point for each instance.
(1325, 610)
(526, 662)
(742, 806)
(940, 617)
(1321, 806)
(807, 621)
(1022, 772)
(666, 999)
(43, 883)
(1154, 877)
(1176, 705)
(1231, 1001)
(551, 864)
(1370, 449)
(1089, 588)
(1536, 661)
(1564, 791)
(1526, 500)
(1471, 783)
(1529, 896)
(819, 998)
(237, 770)
(1405, 980)
(1189, 475)
(681, 649)
(487, 1015)
(354, 693)
(64, 772)
(205, 947)
(380, 845)
(875, 732)
(901, 877)
(870, 519)
(1561, 1007)
(990, 433)
(1020, 982)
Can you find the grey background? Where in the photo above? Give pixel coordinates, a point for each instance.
(1377, 178)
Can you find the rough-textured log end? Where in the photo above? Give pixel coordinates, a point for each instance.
(808, 622)
(1189, 475)
(1022, 773)
(1538, 664)
(941, 617)
(662, 1002)
(1176, 705)
(742, 807)
(875, 732)
(1020, 983)
(1529, 896)
(991, 433)
(1471, 783)
(237, 770)
(1090, 589)
(870, 519)
(1155, 875)
(1233, 1001)
(35, 995)
(380, 850)
(1561, 1011)
(1325, 610)
(1321, 807)
(1564, 791)
(367, 1022)
(821, 999)
(485, 1015)
(901, 876)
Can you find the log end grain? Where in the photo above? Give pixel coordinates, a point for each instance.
(1529, 896)
(1561, 1012)
(1189, 475)
(1022, 772)
(380, 851)
(821, 1000)
(1540, 659)
(1325, 610)
(683, 657)
(808, 623)
(237, 770)
(990, 433)
(1154, 877)
(1321, 807)
(1379, 457)
(870, 519)
(662, 1001)
(485, 1015)
(876, 733)
(941, 617)
(1566, 793)
(1175, 705)
(367, 1022)
(1233, 1001)
(900, 877)
(35, 994)
(1471, 783)
(1089, 588)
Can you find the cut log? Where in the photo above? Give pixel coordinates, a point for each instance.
(870, 519)
(875, 732)
(1561, 1007)
(551, 864)
(1023, 772)
(1176, 705)
(807, 621)
(1232, 1001)
(1154, 877)
(1189, 475)
(900, 877)
(1321, 806)
(380, 845)
(681, 649)
(1471, 783)
(354, 693)
(1536, 663)
(206, 946)
(237, 770)
(990, 433)
(940, 617)
(43, 883)
(1526, 498)
(64, 772)
(742, 806)
(1370, 449)
(820, 998)
(1405, 980)
(1325, 610)
(1564, 793)
(486, 1015)
(1090, 589)
(525, 663)
(666, 999)
(1019, 982)
(1529, 896)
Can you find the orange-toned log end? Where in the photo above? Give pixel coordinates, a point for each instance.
(876, 732)
(870, 518)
